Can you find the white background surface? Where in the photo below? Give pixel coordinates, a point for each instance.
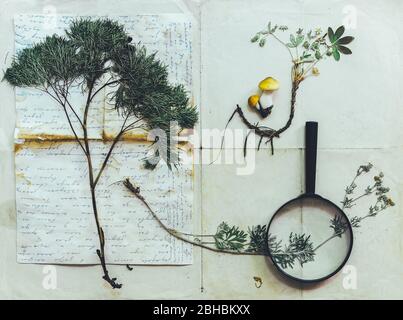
(358, 103)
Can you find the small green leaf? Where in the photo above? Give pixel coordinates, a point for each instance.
(229, 238)
(299, 40)
(262, 42)
(344, 50)
(336, 54)
(293, 40)
(318, 55)
(339, 32)
(345, 40)
(330, 34)
(255, 38)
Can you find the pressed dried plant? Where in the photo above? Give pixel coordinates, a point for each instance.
(93, 55)
(305, 49)
(299, 248)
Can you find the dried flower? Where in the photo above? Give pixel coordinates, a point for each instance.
(315, 71)
(390, 202)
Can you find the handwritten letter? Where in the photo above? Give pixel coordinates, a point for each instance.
(55, 220)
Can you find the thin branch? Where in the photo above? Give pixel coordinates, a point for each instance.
(68, 118)
(196, 235)
(279, 40)
(72, 109)
(130, 126)
(115, 141)
(328, 239)
(103, 86)
(101, 251)
(64, 93)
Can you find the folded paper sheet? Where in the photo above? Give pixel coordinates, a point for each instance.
(54, 217)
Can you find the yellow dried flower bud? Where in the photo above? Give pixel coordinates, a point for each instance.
(390, 202)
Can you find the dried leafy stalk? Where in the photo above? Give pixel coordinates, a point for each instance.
(306, 49)
(299, 248)
(90, 52)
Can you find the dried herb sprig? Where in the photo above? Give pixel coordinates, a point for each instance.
(306, 50)
(135, 191)
(299, 248)
(382, 202)
(89, 52)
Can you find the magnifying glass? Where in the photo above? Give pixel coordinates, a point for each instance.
(309, 238)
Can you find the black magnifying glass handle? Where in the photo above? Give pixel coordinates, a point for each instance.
(311, 145)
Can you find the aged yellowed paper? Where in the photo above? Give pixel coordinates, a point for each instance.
(54, 219)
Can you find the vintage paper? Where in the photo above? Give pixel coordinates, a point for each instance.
(376, 255)
(55, 219)
(54, 214)
(356, 99)
(357, 123)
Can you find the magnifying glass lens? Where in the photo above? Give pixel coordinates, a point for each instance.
(309, 239)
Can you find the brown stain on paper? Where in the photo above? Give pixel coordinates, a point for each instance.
(39, 144)
(21, 175)
(45, 137)
(128, 136)
(37, 141)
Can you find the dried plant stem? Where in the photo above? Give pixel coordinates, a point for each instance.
(101, 251)
(327, 240)
(178, 235)
(86, 149)
(90, 51)
(284, 44)
(60, 95)
(337, 225)
(117, 138)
